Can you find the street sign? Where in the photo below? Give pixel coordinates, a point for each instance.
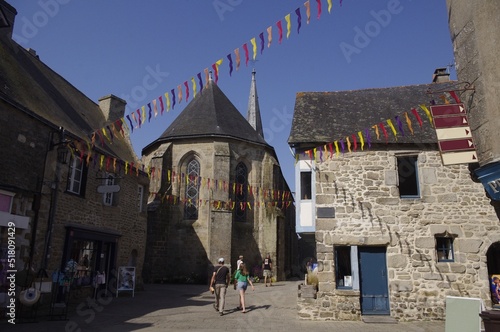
(464, 157)
(447, 110)
(456, 145)
(108, 189)
(451, 121)
(454, 134)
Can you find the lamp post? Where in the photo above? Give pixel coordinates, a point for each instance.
(62, 152)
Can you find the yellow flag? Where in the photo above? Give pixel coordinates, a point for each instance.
(336, 148)
(254, 47)
(361, 139)
(389, 122)
(102, 161)
(348, 143)
(314, 153)
(143, 121)
(329, 10)
(427, 112)
(168, 101)
(194, 86)
(288, 25)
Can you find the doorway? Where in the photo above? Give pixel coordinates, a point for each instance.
(373, 281)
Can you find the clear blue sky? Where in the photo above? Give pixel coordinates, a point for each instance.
(138, 50)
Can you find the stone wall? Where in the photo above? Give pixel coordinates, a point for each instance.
(362, 189)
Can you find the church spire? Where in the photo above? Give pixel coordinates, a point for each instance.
(253, 113)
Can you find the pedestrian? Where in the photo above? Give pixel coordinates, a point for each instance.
(267, 267)
(238, 262)
(220, 282)
(241, 281)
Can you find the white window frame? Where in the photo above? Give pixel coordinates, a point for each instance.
(75, 176)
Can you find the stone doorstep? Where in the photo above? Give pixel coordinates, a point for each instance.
(379, 319)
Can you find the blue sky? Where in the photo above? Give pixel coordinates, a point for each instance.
(138, 50)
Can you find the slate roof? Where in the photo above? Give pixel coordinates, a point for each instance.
(210, 114)
(324, 117)
(30, 85)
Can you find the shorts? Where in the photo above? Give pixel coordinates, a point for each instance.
(242, 285)
(267, 273)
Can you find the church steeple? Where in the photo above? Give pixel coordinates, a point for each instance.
(253, 113)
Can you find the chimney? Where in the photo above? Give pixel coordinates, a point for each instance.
(112, 107)
(7, 17)
(440, 75)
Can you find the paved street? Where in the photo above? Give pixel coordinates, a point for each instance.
(189, 307)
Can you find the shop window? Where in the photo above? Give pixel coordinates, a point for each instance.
(140, 197)
(76, 177)
(6, 199)
(305, 185)
(241, 195)
(408, 177)
(343, 268)
(192, 190)
(444, 249)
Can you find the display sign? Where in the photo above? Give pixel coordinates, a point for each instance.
(454, 134)
(489, 176)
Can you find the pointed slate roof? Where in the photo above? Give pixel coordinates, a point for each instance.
(321, 117)
(210, 114)
(253, 113)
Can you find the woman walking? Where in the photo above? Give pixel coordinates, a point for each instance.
(241, 281)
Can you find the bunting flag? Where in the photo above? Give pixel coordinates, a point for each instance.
(269, 36)
(150, 112)
(237, 59)
(355, 142)
(329, 5)
(215, 67)
(299, 19)
(230, 64)
(408, 122)
(254, 48)
(207, 75)
(261, 37)
(400, 125)
(193, 83)
(106, 135)
(130, 121)
(445, 100)
(375, 127)
(417, 116)
(381, 125)
(200, 82)
(336, 148)
(288, 25)
(167, 100)
(394, 132)
(454, 96)
(179, 93)
(342, 146)
(308, 11)
(280, 32)
(173, 98)
(319, 8)
(368, 137)
(427, 112)
(141, 116)
(162, 107)
(361, 140)
(245, 48)
(330, 149)
(155, 108)
(348, 143)
(187, 90)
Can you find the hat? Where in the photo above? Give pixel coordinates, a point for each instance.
(221, 260)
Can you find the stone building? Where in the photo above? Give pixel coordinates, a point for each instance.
(473, 30)
(395, 231)
(67, 196)
(218, 192)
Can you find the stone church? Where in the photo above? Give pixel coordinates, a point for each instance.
(217, 190)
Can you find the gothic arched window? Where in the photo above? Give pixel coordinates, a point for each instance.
(241, 194)
(192, 189)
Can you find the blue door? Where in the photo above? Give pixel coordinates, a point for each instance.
(373, 281)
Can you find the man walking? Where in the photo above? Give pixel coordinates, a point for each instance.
(220, 281)
(267, 266)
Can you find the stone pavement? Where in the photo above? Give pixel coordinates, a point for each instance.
(169, 307)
